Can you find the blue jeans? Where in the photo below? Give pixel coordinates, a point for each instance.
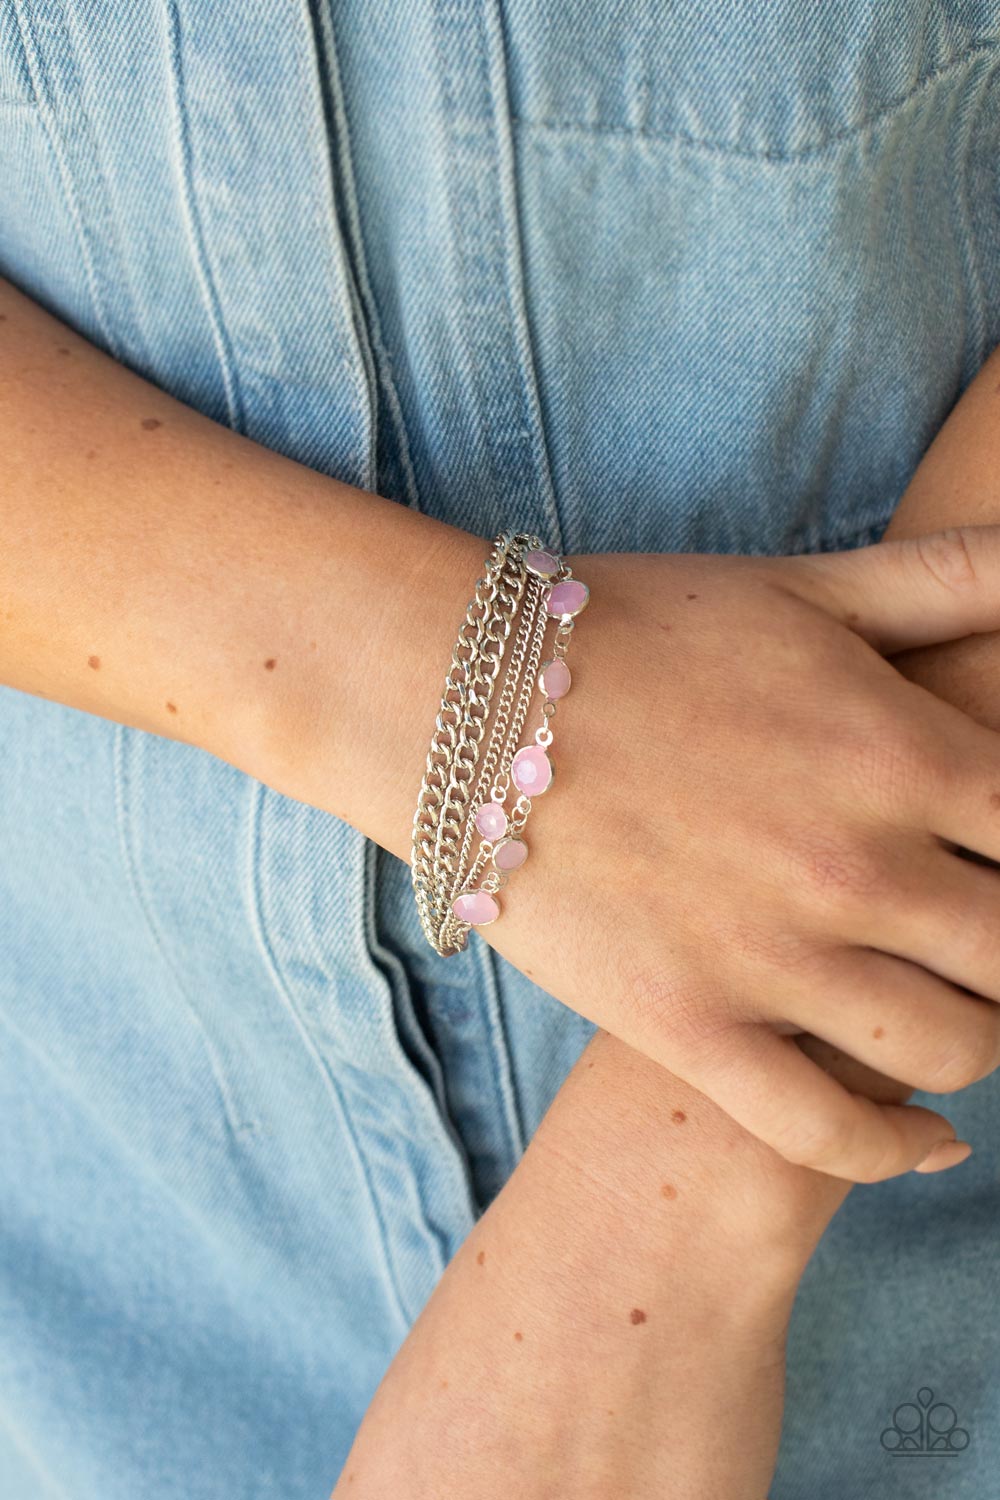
(635, 274)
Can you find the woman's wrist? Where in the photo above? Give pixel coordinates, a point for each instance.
(644, 1258)
(370, 632)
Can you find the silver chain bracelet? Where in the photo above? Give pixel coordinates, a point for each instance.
(522, 589)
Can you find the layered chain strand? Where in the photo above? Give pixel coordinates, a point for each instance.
(471, 674)
(466, 788)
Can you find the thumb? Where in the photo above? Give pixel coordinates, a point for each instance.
(916, 592)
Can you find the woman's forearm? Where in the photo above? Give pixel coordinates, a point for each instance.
(160, 570)
(615, 1324)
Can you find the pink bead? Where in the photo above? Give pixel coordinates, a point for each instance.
(567, 598)
(491, 820)
(544, 564)
(478, 908)
(510, 854)
(531, 771)
(554, 679)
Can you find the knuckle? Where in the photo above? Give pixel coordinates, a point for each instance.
(837, 872)
(690, 1015)
(970, 1056)
(947, 557)
(890, 765)
(822, 1141)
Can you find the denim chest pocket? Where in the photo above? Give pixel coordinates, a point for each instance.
(15, 75)
(756, 246)
(778, 80)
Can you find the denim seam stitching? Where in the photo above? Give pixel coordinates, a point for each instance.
(977, 294)
(257, 792)
(193, 225)
(777, 158)
(433, 1104)
(491, 32)
(489, 992)
(363, 381)
(66, 179)
(365, 291)
(122, 742)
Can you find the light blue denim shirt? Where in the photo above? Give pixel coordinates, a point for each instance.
(634, 274)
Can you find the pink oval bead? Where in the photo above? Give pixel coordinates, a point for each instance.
(478, 908)
(544, 564)
(510, 854)
(554, 679)
(567, 598)
(531, 771)
(491, 820)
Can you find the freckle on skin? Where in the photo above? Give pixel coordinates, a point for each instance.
(692, 596)
(271, 663)
(668, 1190)
(150, 423)
(171, 708)
(444, 1385)
(995, 799)
(878, 1033)
(61, 349)
(91, 452)
(95, 662)
(518, 1337)
(678, 1117)
(481, 1258)
(637, 1315)
(312, 645)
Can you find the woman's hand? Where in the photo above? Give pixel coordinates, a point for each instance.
(752, 834)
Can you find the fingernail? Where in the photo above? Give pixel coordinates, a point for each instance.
(946, 1154)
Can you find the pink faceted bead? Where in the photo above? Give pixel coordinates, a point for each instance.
(544, 564)
(491, 820)
(510, 854)
(531, 771)
(554, 679)
(567, 598)
(478, 908)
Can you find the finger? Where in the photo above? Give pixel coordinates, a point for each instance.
(902, 594)
(901, 1020)
(948, 922)
(778, 1094)
(963, 805)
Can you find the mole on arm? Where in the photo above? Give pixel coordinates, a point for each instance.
(61, 349)
(637, 1315)
(150, 423)
(678, 1117)
(271, 663)
(668, 1190)
(481, 1258)
(878, 1033)
(518, 1337)
(95, 662)
(171, 708)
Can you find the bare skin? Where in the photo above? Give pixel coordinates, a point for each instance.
(206, 614)
(635, 1181)
(163, 571)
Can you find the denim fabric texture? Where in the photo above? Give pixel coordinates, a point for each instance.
(636, 274)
